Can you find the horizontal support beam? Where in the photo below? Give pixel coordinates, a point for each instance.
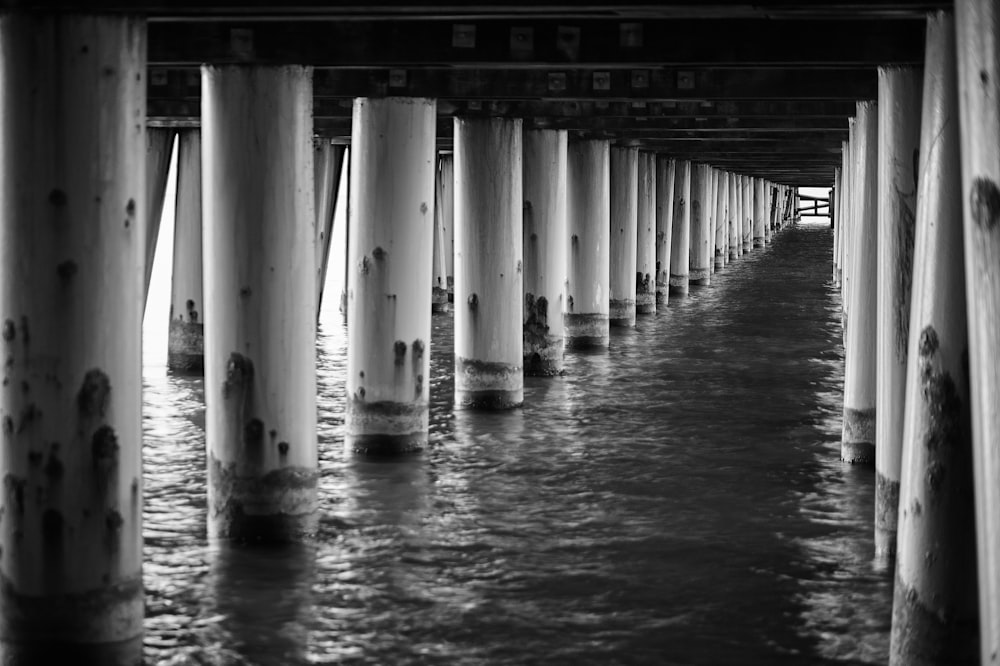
(176, 93)
(527, 43)
(611, 85)
(498, 9)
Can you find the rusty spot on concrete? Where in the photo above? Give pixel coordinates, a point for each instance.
(52, 527)
(399, 352)
(9, 330)
(985, 201)
(253, 434)
(14, 490)
(239, 374)
(273, 434)
(935, 475)
(57, 197)
(104, 446)
(54, 468)
(92, 399)
(28, 415)
(114, 520)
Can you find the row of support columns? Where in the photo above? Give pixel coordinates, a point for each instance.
(917, 259)
(554, 241)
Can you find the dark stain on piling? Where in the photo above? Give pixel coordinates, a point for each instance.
(473, 302)
(104, 447)
(423, 207)
(92, 399)
(378, 254)
(54, 468)
(9, 331)
(245, 292)
(399, 352)
(52, 526)
(239, 374)
(35, 458)
(14, 490)
(192, 313)
(253, 434)
(903, 275)
(569, 303)
(417, 360)
(130, 208)
(946, 429)
(536, 324)
(25, 334)
(985, 202)
(57, 197)
(366, 265)
(283, 448)
(8, 425)
(28, 416)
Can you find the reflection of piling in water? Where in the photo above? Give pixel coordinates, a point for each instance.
(934, 614)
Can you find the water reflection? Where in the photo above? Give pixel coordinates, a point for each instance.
(675, 499)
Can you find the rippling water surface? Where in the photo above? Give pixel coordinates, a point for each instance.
(677, 499)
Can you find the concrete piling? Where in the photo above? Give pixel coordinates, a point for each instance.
(858, 443)
(645, 257)
(389, 291)
(260, 288)
(978, 40)
(681, 230)
(544, 250)
(72, 245)
(588, 191)
(185, 342)
(624, 225)
(899, 142)
(666, 169)
(934, 611)
(702, 241)
(489, 338)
